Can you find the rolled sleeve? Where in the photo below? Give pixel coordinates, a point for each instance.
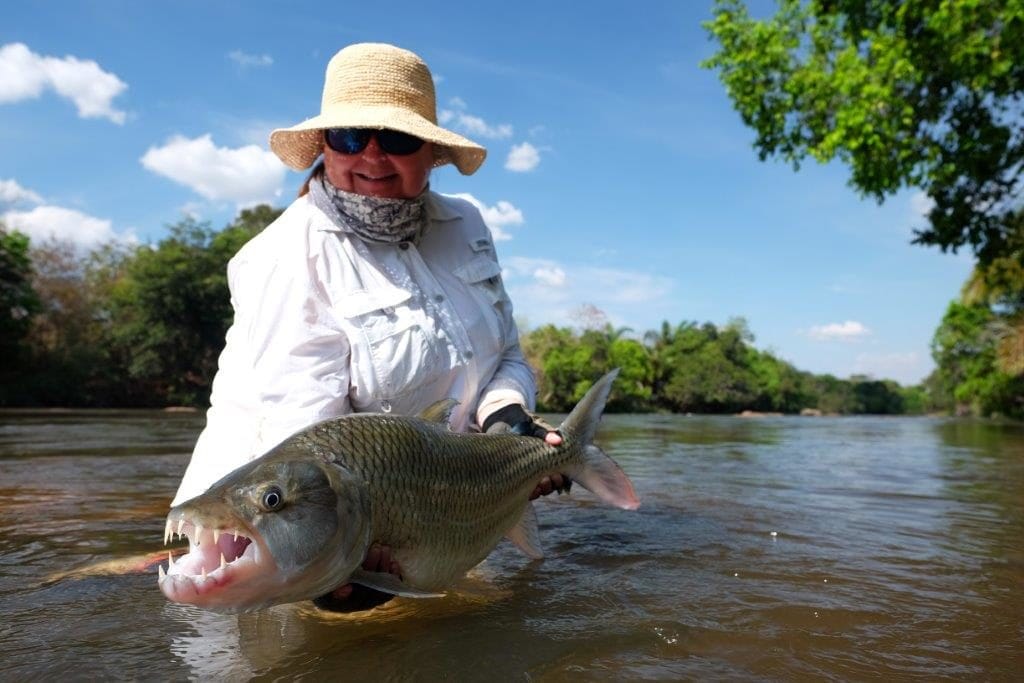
(285, 365)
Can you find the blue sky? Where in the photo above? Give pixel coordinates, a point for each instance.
(618, 175)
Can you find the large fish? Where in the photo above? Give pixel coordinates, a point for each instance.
(297, 522)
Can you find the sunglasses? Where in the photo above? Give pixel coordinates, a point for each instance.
(355, 140)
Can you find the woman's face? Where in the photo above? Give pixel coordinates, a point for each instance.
(375, 173)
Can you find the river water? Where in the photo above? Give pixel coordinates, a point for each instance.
(764, 549)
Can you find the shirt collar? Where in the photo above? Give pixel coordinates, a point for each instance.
(438, 209)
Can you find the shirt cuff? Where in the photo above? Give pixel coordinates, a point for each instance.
(496, 400)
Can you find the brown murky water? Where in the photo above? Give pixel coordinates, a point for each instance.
(897, 552)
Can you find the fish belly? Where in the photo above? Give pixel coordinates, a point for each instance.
(443, 501)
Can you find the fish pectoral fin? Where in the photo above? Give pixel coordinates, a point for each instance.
(439, 411)
(389, 583)
(525, 533)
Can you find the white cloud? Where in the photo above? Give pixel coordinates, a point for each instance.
(46, 222)
(459, 118)
(246, 176)
(602, 286)
(845, 331)
(547, 291)
(12, 193)
(522, 158)
(552, 276)
(25, 75)
(496, 217)
(244, 59)
(921, 205)
(906, 368)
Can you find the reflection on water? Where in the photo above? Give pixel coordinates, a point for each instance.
(764, 549)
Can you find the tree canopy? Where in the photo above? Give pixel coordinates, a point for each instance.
(914, 93)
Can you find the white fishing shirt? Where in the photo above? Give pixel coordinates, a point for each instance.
(327, 324)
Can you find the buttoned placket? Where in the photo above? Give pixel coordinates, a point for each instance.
(433, 295)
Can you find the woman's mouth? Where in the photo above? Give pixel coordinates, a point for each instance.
(375, 179)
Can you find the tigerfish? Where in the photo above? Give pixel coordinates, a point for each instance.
(297, 522)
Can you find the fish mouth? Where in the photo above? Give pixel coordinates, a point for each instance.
(220, 561)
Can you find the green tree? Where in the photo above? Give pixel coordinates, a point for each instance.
(172, 307)
(965, 352)
(917, 93)
(632, 390)
(18, 304)
(70, 363)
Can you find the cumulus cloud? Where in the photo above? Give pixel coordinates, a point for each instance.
(457, 117)
(25, 75)
(906, 368)
(246, 175)
(11, 194)
(244, 59)
(55, 222)
(552, 276)
(921, 204)
(850, 330)
(496, 217)
(522, 158)
(587, 283)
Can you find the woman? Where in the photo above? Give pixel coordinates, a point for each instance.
(370, 293)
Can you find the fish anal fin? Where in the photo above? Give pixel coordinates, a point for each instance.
(525, 534)
(439, 411)
(389, 583)
(605, 479)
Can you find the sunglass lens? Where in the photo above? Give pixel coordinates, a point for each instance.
(347, 140)
(396, 142)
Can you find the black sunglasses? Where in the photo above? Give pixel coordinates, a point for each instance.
(355, 140)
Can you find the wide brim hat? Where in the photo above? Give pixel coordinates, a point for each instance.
(375, 85)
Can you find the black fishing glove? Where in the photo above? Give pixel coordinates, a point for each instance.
(514, 419)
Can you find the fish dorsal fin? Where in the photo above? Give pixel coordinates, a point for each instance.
(525, 534)
(389, 583)
(439, 411)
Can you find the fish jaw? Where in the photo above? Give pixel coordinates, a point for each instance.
(227, 566)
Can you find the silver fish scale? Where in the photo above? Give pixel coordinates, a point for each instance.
(441, 500)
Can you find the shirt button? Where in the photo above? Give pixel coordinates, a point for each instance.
(438, 298)
(403, 245)
(469, 355)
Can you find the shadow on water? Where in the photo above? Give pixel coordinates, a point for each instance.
(769, 548)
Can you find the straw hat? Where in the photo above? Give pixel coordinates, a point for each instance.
(375, 85)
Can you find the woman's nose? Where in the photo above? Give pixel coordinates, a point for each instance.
(372, 151)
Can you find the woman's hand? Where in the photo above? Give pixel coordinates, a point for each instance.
(378, 559)
(515, 419)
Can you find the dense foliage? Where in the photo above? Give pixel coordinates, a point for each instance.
(18, 303)
(909, 93)
(123, 325)
(692, 368)
(143, 326)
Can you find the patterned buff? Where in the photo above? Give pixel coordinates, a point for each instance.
(375, 219)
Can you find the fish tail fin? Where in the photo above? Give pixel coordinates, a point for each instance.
(598, 473)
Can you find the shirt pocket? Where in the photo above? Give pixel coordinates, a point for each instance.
(482, 277)
(396, 351)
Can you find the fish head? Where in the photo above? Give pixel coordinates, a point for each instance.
(286, 527)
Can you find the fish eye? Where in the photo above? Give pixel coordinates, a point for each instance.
(273, 499)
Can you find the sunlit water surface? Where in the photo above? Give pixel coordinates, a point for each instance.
(767, 549)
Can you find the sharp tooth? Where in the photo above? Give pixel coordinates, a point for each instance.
(160, 573)
(236, 535)
(199, 533)
(181, 523)
(223, 563)
(216, 535)
(170, 559)
(167, 532)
